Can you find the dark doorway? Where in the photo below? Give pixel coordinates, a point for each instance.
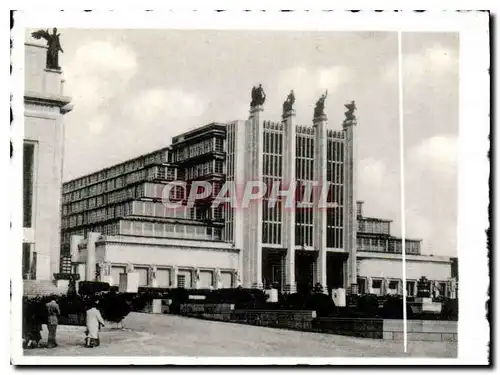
(335, 270)
(304, 270)
(273, 268)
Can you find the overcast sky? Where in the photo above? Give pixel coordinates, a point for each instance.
(133, 90)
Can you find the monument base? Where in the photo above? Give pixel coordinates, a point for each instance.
(426, 305)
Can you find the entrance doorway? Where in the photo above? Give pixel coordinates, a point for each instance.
(273, 268)
(335, 270)
(304, 270)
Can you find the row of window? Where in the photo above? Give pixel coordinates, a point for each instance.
(392, 245)
(156, 172)
(273, 142)
(372, 226)
(200, 148)
(204, 169)
(395, 286)
(158, 157)
(137, 228)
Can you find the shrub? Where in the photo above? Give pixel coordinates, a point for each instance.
(92, 287)
(368, 305)
(392, 308)
(449, 309)
(114, 307)
(322, 304)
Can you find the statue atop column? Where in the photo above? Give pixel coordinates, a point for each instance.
(319, 110)
(130, 268)
(258, 96)
(288, 103)
(53, 44)
(152, 274)
(350, 117)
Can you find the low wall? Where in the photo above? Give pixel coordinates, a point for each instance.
(205, 308)
(291, 319)
(305, 320)
(421, 330)
(357, 327)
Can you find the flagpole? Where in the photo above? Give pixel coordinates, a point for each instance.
(403, 209)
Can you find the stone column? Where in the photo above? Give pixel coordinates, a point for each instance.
(350, 215)
(218, 278)
(289, 179)
(173, 277)
(196, 278)
(319, 229)
(253, 235)
(90, 268)
(75, 240)
(238, 216)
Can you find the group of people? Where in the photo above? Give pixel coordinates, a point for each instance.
(32, 327)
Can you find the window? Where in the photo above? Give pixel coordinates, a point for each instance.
(393, 284)
(410, 287)
(163, 278)
(143, 276)
(28, 181)
(181, 281)
(376, 284)
(26, 260)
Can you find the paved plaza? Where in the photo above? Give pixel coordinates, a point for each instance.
(169, 335)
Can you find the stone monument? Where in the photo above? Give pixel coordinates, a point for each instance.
(258, 96)
(218, 278)
(153, 282)
(423, 302)
(53, 44)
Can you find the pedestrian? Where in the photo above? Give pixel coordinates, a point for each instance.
(94, 321)
(53, 313)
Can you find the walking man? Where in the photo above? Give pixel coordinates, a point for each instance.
(53, 314)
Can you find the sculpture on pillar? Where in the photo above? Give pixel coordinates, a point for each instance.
(53, 44)
(385, 286)
(319, 110)
(350, 118)
(107, 268)
(258, 96)
(238, 278)
(197, 274)
(288, 103)
(453, 287)
(152, 274)
(436, 290)
(130, 268)
(218, 277)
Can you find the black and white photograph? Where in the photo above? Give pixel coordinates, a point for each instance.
(238, 188)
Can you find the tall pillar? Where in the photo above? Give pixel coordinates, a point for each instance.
(320, 168)
(75, 241)
(350, 215)
(238, 154)
(289, 178)
(254, 160)
(90, 268)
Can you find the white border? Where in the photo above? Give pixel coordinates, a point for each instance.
(473, 143)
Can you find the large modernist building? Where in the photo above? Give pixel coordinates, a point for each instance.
(44, 107)
(114, 219)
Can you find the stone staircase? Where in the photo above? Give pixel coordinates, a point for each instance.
(32, 288)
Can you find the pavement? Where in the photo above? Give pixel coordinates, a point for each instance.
(170, 335)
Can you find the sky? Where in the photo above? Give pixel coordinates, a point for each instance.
(132, 90)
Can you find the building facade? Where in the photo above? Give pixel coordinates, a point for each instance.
(44, 107)
(115, 218)
(379, 260)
